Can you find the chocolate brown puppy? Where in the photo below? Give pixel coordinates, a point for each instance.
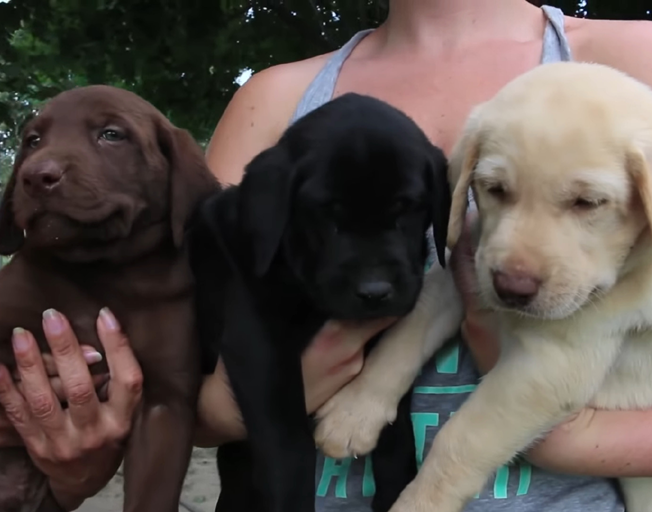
(95, 213)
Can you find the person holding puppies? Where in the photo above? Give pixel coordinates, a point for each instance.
(435, 60)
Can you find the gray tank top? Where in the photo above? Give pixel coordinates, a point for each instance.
(449, 378)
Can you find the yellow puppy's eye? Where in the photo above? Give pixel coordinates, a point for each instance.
(496, 190)
(587, 204)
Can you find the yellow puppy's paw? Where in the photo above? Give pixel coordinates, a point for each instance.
(350, 423)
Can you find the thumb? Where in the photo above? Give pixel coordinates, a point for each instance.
(357, 334)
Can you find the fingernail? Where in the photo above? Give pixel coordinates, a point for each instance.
(333, 327)
(20, 340)
(53, 322)
(92, 356)
(109, 321)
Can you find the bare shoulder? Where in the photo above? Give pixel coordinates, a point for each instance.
(258, 114)
(623, 45)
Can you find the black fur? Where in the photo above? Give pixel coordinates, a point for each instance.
(322, 221)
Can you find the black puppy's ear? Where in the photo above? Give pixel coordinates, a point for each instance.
(265, 202)
(440, 194)
(11, 236)
(191, 181)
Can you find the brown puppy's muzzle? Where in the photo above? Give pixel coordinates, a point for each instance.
(41, 178)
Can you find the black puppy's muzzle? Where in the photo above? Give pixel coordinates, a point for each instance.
(362, 297)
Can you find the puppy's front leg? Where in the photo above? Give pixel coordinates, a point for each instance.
(351, 421)
(160, 444)
(536, 384)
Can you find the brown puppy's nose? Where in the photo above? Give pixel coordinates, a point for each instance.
(515, 289)
(42, 178)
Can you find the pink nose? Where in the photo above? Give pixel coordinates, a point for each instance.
(515, 289)
(42, 177)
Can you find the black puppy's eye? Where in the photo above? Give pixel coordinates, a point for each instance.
(399, 206)
(112, 135)
(336, 208)
(33, 141)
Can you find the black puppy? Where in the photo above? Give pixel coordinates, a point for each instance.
(328, 224)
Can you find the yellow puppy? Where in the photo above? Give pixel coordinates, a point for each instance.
(559, 162)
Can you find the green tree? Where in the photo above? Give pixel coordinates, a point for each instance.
(182, 55)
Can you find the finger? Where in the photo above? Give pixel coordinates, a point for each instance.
(41, 400)
(355, 335)
(335, 332)
(338, 342)
(471, 217)
(91, 356)
(15, 411)
(9, 436)
(57, 386)
(76, 381)
(50, 365)
(126, 384)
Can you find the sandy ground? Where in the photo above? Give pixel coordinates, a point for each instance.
(200, 489)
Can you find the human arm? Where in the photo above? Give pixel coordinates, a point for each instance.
(598, 443)
(78, 448)
(256, 116)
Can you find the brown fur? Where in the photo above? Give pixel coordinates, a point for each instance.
(109, 234)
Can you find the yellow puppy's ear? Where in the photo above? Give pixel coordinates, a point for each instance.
(639, 171)
(464, 158)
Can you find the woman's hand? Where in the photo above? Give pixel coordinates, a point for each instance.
(79, 448)
(333, 359)
(8, 435)
(476, 329)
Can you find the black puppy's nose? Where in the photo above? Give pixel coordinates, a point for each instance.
(42, 178)
(515, 289)
(374, 290)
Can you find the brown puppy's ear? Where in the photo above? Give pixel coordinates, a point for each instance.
(191, 180)
(265, 203)
(440, 194)
(11, 236)
(639, 171)
(463, 160)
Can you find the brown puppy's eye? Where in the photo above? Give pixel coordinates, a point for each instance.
(585, 204)
(112, 135)
(33, 141)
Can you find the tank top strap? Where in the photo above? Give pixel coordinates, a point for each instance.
(322, 87)
(555, 41)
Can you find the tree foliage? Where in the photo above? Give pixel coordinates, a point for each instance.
(182, 55)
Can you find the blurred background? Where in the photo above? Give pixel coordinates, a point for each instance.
(185, 56)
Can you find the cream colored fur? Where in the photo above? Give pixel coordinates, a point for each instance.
(559, 162)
